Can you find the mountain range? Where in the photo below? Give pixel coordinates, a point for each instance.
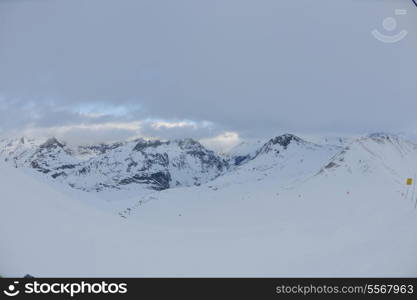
(283, 207)
(159, 165)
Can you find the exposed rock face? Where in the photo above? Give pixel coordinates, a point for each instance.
(97, 149)
(280, 143)
(52, 157)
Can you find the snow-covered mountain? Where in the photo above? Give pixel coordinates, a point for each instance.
(154, 164)
(245, 151)
(377, 154)
(17, 151)
(159, 165)
(49, 157)
(283, 159)
(294, 208)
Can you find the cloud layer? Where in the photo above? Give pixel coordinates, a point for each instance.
(204, 69)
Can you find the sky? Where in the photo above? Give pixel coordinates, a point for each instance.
(219, 71)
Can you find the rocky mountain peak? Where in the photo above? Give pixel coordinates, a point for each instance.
(284, 140)
(97, 149)
(143, 144)
(383, 136)
(52, 143)
(189, 144)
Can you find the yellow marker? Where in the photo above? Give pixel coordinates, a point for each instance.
(409, 181)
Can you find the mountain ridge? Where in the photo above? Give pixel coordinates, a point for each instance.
(163, 164)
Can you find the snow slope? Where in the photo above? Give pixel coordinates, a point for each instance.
(284, 159)
(379, 154)
(345, 220)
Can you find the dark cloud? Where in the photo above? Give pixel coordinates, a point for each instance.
(257, 68)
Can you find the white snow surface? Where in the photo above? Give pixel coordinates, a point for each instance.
(308, 210)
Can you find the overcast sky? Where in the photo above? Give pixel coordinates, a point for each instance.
(220, 70)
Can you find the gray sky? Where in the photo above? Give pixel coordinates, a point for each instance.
(102, 70)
